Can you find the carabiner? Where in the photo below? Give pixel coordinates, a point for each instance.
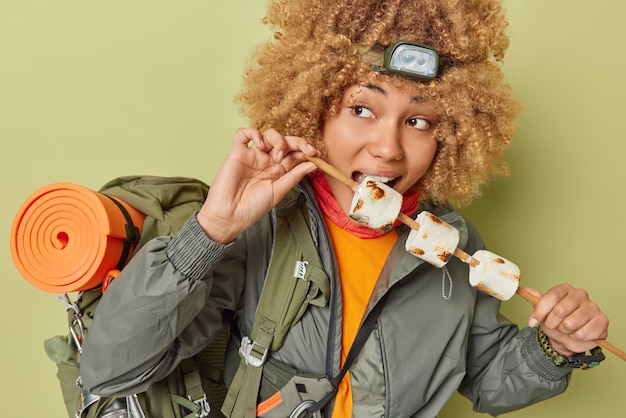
(302, 410)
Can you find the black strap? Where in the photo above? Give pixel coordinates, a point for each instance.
(133, 234)
(359, 341)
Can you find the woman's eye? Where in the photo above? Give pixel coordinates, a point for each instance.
(419, 123)
(362, 111)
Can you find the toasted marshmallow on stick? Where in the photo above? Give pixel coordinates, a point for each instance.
(494, 275)
(504, 273)
(375, 204)
(434, 241)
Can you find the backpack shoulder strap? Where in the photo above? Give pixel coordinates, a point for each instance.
(295, 279)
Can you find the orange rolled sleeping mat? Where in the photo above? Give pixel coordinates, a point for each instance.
(67, 238)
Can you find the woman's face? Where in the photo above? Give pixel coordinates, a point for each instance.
(382, 131)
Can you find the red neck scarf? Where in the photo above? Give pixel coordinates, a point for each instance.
(331, 209)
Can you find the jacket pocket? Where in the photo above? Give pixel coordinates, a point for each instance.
(295, 397)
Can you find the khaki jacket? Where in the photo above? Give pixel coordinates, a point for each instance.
(177, 294)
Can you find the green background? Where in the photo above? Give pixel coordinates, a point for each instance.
(90, 91)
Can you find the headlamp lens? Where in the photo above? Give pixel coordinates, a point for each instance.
(414, 59)
(404, 58)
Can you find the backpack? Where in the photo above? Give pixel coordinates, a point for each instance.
(195, 388)
(167, 203)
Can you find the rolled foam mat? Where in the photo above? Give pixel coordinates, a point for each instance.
(66, 237)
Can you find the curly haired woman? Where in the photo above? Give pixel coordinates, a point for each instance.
(435, 137)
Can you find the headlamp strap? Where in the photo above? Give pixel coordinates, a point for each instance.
(373, 56)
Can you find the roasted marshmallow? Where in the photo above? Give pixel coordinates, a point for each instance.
(375, 205)
(434, 241)
(494, 275)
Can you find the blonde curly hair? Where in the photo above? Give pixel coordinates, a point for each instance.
(296, 80)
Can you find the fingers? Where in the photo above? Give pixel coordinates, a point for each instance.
(569, 318)
(552, 307)
(563, 308)
(259, 170)
(286, 182)
(275, 144)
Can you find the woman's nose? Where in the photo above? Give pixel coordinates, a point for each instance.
(385, 142)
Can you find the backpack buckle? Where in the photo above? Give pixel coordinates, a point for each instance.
(253, 353)
(203, 406)
(299, 271)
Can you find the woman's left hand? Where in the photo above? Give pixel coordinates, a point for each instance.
(570, 320)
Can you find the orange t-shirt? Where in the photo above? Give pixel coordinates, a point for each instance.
(360, 262)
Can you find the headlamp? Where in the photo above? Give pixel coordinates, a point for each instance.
(408, 59)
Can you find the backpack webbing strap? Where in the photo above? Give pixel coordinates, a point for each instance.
(187, 404)
(194, 390)
(315, 275)
(359, 341)
(133, 234)
(281, 305)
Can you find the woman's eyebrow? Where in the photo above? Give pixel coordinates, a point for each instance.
(378, 89)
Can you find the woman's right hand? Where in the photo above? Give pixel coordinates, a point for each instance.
(259, 170)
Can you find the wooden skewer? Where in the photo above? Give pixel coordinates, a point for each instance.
(459, 253)
(329, 169)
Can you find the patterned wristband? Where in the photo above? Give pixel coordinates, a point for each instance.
(579, 361)
(547, 350)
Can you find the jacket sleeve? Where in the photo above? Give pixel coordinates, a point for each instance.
(173, 298)
(505, 368)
